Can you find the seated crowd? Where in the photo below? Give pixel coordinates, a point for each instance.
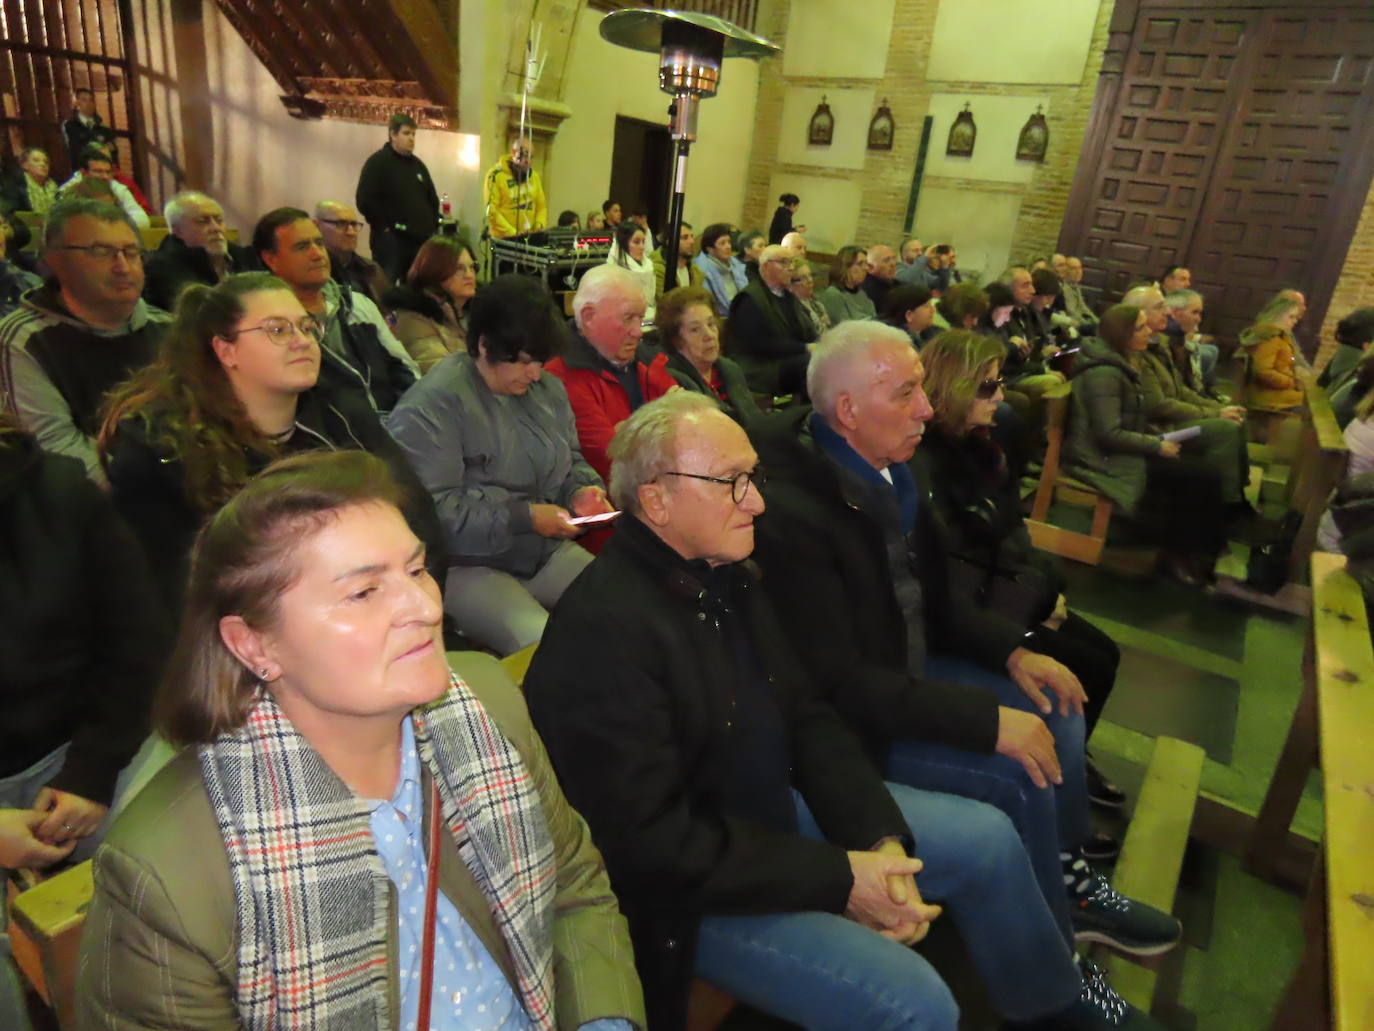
(797, 718)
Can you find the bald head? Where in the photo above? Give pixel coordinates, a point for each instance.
(339, 224)
(882, 262)
(795, 243)
(1150, 300)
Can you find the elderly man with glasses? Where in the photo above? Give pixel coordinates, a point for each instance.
(340, 224)
(73, 339)
(769, 330)
(196, 249)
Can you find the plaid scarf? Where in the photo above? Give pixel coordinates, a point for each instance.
(311, 892)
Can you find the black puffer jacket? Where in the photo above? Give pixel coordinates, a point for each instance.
(82, 635)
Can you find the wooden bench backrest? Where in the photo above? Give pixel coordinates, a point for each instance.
(1345, 701)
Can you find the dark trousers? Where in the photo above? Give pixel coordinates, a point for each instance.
(1091, 655)
(394, 253)
(1183, 505)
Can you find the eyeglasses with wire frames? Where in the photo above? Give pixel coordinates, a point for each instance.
(282, 331)
(133, 254)
(342, 223)
(987, 389)
(739, 483)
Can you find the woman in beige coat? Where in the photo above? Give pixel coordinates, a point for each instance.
(430, 310)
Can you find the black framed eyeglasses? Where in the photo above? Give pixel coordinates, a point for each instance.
(989, 387)
(739, 483)
(281, 331)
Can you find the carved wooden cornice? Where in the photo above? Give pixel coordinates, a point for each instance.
(360, 61)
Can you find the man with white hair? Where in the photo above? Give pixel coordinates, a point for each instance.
(769, 330)
(607, 371)
(948, 695)
(340, 224)
(196, 249)
(882, 274)
(796, 243)
(748, 836)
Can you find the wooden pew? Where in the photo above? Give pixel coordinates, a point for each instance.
(1319, 469)
(1055, 484)
(1152, 854)
(1332, 722)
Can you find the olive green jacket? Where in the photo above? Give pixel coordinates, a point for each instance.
(1169, 402)
(1108, 441)
(160, 950)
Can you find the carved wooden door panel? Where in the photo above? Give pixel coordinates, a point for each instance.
(1176, 93)
(1268, 211)
(1234, 140)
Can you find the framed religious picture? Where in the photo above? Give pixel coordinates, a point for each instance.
(880, 130)
(822, 128)
(962, 135)
(1034, 138)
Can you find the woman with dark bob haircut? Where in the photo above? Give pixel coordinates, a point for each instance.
(690, 332)
(977, 492)
(1175, 498)
(495, 444)
(353, 830)
(236, 384)
(431, 309)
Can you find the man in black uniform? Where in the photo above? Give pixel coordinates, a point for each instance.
(397, 197)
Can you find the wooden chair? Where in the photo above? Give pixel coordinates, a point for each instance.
(45, 920)
(1054, 484)
(1264, 422)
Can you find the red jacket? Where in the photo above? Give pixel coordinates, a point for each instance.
(599, 402)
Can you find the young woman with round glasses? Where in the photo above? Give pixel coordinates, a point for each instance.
(234, 387)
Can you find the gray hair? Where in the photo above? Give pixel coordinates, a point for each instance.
(841, 357)
(68, 208)
(601, 283)
(1011, 271)
(645, 445)
(1180, 299)
(175, 209)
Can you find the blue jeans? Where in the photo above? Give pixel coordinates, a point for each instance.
(1046, 819)
(1207, 357)
(824, 972)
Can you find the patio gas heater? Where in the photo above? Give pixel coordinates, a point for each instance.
(691, 47)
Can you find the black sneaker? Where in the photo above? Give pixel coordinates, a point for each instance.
(1100, 848)
(1101, 791)
(1100, 913)
(1097, 1008)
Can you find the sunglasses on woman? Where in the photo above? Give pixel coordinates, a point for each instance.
(987, 390)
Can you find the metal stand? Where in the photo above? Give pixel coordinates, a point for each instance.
(684, 105)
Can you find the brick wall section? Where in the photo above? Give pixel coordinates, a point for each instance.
(1355, 288)
(887, 174)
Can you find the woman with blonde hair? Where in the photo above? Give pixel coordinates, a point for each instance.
(976, 491)
(1273, 355)
(354, 834)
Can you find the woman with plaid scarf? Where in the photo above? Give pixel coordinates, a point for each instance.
(355, 835)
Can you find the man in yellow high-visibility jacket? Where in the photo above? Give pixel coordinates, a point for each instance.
(515, 196)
